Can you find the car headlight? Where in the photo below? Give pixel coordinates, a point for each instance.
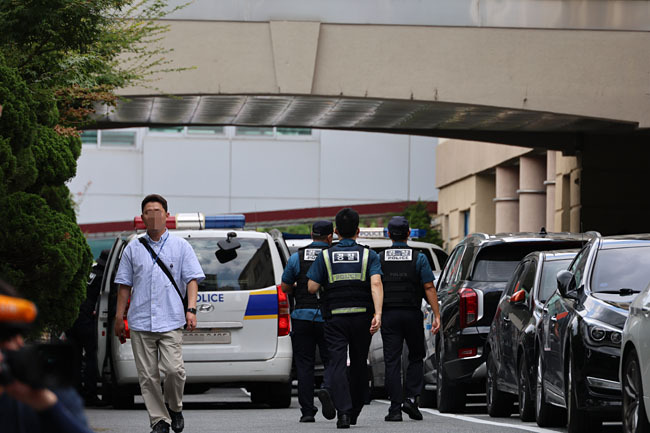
(601, 334)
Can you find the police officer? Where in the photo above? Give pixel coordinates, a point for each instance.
(352, 304)
(306, 318)
(407, 279)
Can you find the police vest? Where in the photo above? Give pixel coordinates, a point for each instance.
(401, 281)
(347, 289)
(306, 255)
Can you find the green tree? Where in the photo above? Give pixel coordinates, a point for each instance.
(57, 59)
(419, 218)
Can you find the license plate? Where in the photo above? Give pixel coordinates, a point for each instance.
(206, 336)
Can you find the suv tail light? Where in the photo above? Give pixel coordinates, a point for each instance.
(284, 321)
(468, 307)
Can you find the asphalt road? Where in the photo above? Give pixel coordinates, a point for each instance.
(230, 410)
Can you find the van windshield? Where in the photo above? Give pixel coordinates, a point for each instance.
(251, 269)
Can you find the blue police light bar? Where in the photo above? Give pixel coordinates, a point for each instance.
(237, 221)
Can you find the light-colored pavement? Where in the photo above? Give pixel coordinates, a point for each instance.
(230, 410)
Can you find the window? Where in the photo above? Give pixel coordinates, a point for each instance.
(118, 138)
(549, 277)
(621, 268)
(126, 138)
(204, 130)
(254, 131)
(452, 267)
(514, 280)
(466, 223)
(251, 269)
(293, 131)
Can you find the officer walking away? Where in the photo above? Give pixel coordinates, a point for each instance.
(306, 318)
(350, 275)
(157, 314)
(407, 279)
(83, 335)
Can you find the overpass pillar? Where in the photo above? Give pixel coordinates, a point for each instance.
(551, 156)
(532, 194)
(506, 200)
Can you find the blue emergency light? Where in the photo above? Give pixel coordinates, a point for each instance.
(382, 232)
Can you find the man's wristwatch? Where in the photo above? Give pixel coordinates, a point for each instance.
(191, 310)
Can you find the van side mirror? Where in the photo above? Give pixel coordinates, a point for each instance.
(566, 284)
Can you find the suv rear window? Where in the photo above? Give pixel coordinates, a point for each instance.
(251, 269)
(498, 262)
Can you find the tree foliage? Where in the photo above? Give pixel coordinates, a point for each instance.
(419, 218)
(58, 58)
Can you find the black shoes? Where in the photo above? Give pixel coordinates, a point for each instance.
(160, 427)
(329, 412)
(353, 419)
(343, 421)
(178, 423)
(307, 418)
(410, 407)
(393, 416)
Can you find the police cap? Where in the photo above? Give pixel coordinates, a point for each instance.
(322, 228)
(398, 226)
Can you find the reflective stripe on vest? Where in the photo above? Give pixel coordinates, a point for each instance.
(332, 278)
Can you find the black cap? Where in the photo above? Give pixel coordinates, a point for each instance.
(398, 226)
(322, 228)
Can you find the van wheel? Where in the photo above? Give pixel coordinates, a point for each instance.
(499, 403)
(123, 397)
(259, 394)
(279, 395)
(428, 398)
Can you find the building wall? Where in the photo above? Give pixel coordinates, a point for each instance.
(505, 188)
(229, 172)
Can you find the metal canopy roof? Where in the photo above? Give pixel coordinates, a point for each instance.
(365, 114)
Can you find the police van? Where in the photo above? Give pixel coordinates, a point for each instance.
(242, 334)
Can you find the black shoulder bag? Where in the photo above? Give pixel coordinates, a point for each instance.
(166, 271)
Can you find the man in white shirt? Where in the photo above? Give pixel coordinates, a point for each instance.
(156, 313)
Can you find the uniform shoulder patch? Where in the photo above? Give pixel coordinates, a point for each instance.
(311, 254)
(398, 255)
(345, 257)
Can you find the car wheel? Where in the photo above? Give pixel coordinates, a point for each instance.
(578, 420)
(279, 395)
(526, 401)
(259, 395)
(546, 414)
(428, 398)
(451, 398)
(499, 403)
(635, 419)
(123, 397)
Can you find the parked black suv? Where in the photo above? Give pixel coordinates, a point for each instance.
(580, 333)
(469, 290)
(511, 341)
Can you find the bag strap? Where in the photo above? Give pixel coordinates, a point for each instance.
(165, 270)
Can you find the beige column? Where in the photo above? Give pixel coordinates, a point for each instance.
(506, 200)
(550, 190)
(532, 194)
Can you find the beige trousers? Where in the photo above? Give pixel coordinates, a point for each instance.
(155, 352)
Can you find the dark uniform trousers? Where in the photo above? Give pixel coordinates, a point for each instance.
(353, 331)
(305, 336)
(399, 325)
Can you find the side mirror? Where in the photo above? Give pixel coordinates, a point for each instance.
(566, 283)
(519, 297)
(227, 248)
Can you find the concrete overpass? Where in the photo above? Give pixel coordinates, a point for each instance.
(540, 73)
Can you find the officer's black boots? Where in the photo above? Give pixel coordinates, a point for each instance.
(329, 412)
(410, 407)
(307, 418)
(393, 416)
(343, 421)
